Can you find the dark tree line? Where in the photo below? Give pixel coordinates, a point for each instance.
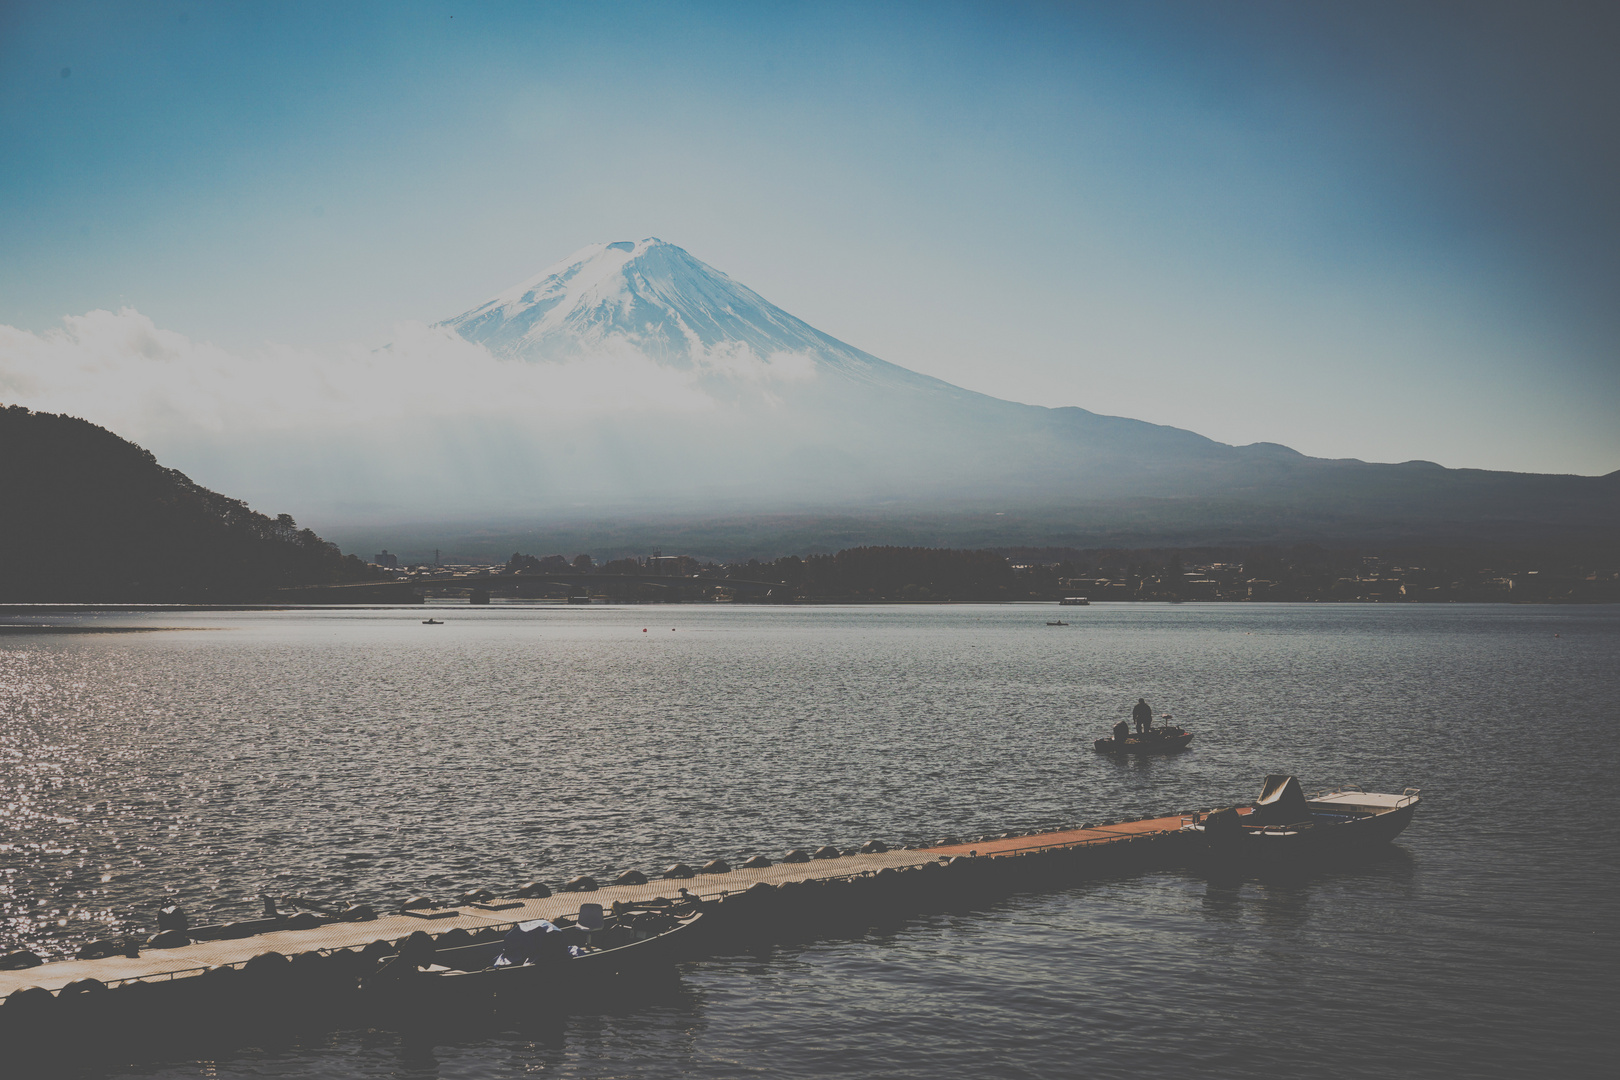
(890, 573)
(863, 573)
(87, 516)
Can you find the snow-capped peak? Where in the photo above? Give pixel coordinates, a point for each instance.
(656, 299)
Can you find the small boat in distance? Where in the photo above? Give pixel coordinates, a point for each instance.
(1056, 622)
(1074, 601)
(432, 622)
(1285, 823)
(1160, 740)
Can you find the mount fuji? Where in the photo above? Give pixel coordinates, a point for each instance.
(655, 299)
(797, 421)
(633, 388)
(831, 424)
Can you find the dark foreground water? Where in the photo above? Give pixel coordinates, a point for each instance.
(361, 754)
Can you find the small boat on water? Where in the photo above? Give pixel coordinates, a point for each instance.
(535, 957)
(432, 622)
(1159, 740)
(1056, 622)
(1285, 823)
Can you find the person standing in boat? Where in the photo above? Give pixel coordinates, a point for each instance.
(1143, 715)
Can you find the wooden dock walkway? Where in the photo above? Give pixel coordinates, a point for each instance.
(161, 965)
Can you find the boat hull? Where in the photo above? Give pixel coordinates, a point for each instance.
(1324, 834)
(1133, 745)
(446, 991)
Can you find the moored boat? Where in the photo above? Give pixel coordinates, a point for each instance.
(535, 957)
(1285, 823)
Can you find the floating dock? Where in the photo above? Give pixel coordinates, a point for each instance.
(916, 875)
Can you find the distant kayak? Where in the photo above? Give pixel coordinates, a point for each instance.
(432, 622)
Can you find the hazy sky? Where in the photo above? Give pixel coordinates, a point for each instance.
(1376, 230)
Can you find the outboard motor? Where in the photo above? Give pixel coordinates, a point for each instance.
(1281, 802)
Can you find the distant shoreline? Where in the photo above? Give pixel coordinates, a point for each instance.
(53, 628)
(16, 610)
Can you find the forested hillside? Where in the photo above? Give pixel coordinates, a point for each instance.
(86, 516)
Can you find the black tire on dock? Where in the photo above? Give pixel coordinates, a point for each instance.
(82, 1004)
(28, 1005)
(266, 978)
(716, 866)
(874, 847)
(373, 954)
(583, 883)
(345, 966)
(222, 976)
(826, 851)
(680, 870)
(309, 969)
(797, 855)
(418, 949)
(266, 964)
(534, 890)
(82, 986)
(99, 949)
(631, 877)
(757, 862)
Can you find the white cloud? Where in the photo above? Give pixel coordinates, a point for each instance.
(432, 425)
(124, 372)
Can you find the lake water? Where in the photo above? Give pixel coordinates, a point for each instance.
(361, 754)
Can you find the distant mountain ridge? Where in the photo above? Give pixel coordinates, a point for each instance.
(842, 430)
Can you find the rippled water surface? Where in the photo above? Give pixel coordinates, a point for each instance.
(360, 754)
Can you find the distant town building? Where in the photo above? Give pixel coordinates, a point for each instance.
(382, 558)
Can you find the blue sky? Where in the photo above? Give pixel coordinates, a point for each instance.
(1384, 231)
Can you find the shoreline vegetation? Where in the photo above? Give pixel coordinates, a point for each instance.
(1301, 574)
(91, 517)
